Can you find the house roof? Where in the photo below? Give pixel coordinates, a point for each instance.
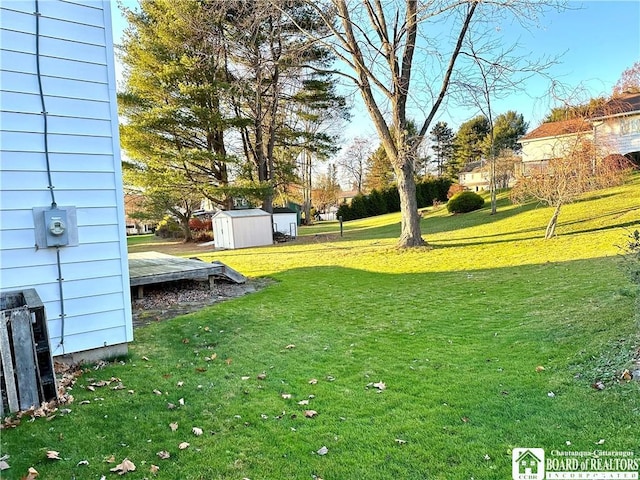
(620, 104)
(555, 129)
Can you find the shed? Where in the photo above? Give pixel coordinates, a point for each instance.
(285, 220)
(242, 228)
(61, 180)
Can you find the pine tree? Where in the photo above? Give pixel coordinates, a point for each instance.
(442, 138)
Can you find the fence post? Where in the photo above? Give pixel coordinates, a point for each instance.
(340, 220)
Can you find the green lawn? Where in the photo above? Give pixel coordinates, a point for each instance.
(455, 331)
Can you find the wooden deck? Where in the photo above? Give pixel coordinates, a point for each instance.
(146, 268)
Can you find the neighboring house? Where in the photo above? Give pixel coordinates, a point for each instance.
(61, 180)
(615, 127)
(474, 177)
(133, 204)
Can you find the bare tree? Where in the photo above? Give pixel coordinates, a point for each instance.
(377, 43)
(578, 167)
(354, 161)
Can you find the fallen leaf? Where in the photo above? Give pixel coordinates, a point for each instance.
(124, 467)
(567, 443)
(539, 368)
(179, 384)
(626, 375)
(32, 473)
(262, 376)
(111, 459)
(82, 462)
(551, 394)
(4, 465)
(207, 329)
(163, 454)
(173, 426)
(146, 359)
(171, 406)
(183, 445)
(185, 340)
(290, 346)
(303, 402)
(84, 402)
(181, 402)
(157, 392)
(313, 381)
(323, 451)
(196, 431)
(465, 419)
(286, 396)
(228, 361)
(310, 413)
(245, 378)
(380, 385)
(53, 455)
(600, 442)
(154, 469)
(598, 385)
(399, 441)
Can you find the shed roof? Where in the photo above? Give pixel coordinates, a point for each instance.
(250, 212)
(555, 129)
(283, 210)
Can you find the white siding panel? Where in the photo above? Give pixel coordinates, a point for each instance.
(53, 67)
(29, 123)
(52, 47)
(97, 216)
(35, 161)
(12, 259)
(78, 307)
(56, 106)
(89, 340)
(96, 321)
(70, 271)
(52, 27)
(53, 86)
(62, 10)
(12, 200)
(57, 143)
(97, 233)
(28, 181)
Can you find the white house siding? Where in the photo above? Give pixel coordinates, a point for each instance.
(77, 72)
(619, 134)
(546, 148)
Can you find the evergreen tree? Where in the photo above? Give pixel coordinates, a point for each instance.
(468, 145)
(507, 129)
(379, 174)
(442, 138)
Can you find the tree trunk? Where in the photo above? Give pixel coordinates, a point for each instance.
(410, 235)
(551, 227)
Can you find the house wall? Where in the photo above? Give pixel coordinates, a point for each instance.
(619, 134)
(546, 148)
(77, 74)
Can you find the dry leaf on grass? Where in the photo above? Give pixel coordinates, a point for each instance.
(173, 426)
(124, 467)
(4, 465)
(323, 451)
(600, 442)
(380, 385)
(154, 469)
(399, 441)
(163, 454)
(32, 474)
(310, 413)
(286, 396)
(181, 402)
(53, 455)
(111, 459)
(290, 346)
(196, 431)
(146, 359)
(303, 402)
(313, 381)
(183, 445)
(157, 392)
(539, 368)
(262, 376)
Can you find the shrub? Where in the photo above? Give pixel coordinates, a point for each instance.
(169, 227)
(465, 202)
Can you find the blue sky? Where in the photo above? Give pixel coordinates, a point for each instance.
(597, 41)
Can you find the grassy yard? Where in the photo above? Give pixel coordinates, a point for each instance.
(455, 331)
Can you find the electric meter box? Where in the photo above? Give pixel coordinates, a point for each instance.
(55, 227)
